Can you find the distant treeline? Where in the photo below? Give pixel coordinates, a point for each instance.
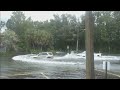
(24, 34)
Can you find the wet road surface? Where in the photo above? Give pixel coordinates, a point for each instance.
(10, 69)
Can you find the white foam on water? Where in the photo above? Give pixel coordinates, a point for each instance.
(73, 56)
(109, 58)
(25, 58)
(68, 56)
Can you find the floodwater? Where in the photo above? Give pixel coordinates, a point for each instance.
(46, 69)
(15, 69)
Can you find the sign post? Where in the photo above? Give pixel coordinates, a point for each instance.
(106, 70)
(106, 67)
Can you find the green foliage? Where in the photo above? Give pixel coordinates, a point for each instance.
(10, 40)
(2, 24)
(38, 39)
(16, 22)
(107, 31)
(34, 36)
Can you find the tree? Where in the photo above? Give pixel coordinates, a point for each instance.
(38, 39)
(10, 40)
(2, 24)
(107, 31)
(19, 24)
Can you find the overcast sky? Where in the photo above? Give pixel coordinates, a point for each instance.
(40, 15)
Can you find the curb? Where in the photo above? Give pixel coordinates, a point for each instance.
(108, 73)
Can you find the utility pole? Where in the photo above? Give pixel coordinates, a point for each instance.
(89, 26)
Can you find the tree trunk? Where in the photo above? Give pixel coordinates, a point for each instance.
(41, 48)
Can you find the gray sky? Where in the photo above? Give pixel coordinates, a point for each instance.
(40, 15)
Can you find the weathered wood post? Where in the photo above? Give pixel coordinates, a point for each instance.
(89, 26)
(106, 70)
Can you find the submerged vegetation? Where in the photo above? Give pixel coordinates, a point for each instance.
(25, 35)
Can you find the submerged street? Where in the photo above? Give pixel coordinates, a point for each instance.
(17, 69)
(28, 70)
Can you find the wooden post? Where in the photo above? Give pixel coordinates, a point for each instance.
(106, 70)
(89, 24)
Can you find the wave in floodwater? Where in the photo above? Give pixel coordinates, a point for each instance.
(26, 58)
(66, 58)
(73, 56)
